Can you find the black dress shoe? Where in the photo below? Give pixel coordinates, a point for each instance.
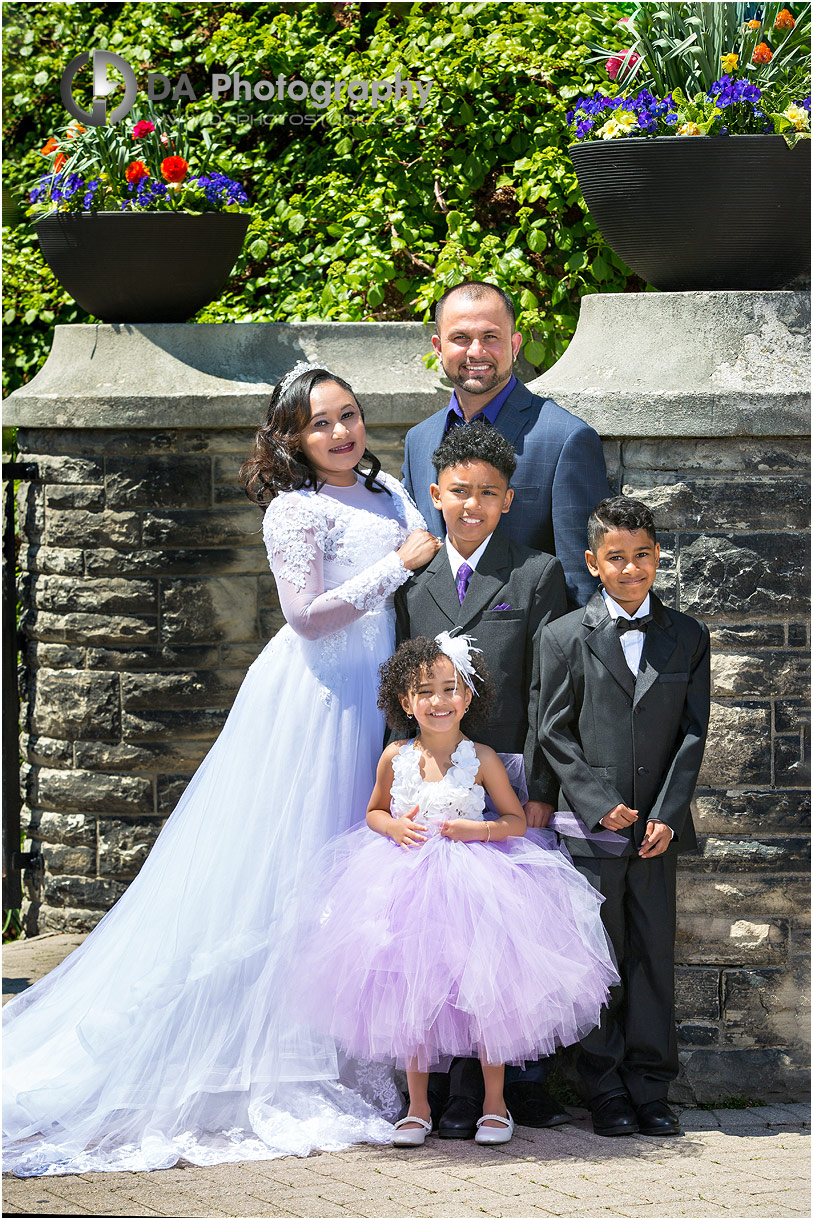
(614, 1116)
(459, 1120)
(531, 1105)
(656, 1118)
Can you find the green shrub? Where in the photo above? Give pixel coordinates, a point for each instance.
(370, 214)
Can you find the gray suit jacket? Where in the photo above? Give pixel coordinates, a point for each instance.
(532, 587)
(612, 738)
(560, 478)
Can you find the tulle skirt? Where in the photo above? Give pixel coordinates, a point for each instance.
(491, 950)
(166, 1034)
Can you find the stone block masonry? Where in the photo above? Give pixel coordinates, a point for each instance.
(146, 595)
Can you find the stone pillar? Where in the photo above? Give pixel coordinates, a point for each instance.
(702, 402)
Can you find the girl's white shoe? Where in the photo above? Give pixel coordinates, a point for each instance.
(416, 1135)
(494, 1135)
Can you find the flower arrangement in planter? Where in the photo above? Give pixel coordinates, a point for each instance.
(716, 213)
(708, 71)
(137, 221)
(148, 165)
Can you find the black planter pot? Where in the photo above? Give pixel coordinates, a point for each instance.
(142, 266)
(696, 212)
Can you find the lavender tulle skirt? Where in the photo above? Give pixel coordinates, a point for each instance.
(490, 950)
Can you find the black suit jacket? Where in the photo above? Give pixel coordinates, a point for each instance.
(532, 585)
(612, 738)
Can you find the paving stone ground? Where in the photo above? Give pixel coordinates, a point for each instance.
(729, 1163)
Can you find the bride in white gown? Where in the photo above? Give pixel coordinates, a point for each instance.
(164, 1036)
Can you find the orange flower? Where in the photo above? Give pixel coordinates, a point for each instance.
(174, 169)
(49, 146)
(59, 161)
(762, 54)
(135, 171)
(75, 129)
(784, 20)
(753, 25)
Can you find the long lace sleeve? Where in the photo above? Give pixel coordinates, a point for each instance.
(297, 538)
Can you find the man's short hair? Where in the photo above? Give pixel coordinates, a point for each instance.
(475, 290)
(477, 442)
(618, 513)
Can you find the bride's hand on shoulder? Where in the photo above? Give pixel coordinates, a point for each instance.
(419, 548)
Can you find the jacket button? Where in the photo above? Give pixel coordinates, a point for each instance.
(643, 770)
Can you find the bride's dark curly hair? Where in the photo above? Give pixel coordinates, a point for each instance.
(277, 463)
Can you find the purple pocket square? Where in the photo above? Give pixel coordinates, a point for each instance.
(502, 606)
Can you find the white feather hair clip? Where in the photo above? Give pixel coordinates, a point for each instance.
(458, 648)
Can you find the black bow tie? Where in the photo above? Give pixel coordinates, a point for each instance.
(632, 624)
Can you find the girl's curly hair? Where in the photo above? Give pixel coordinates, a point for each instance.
(277, 463)
(402, 674)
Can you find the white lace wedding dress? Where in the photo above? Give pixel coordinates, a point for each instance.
(163, 1036)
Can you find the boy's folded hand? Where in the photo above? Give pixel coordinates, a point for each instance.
(656, 840)
(619, 818)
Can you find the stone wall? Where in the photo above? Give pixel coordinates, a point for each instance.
(147, 594)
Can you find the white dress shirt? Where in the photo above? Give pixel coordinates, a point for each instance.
(632, 642)
(456, 560)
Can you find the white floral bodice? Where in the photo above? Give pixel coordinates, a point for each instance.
(332, 553)
(455, 796)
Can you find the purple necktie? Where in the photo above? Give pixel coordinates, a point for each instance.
(463, 577)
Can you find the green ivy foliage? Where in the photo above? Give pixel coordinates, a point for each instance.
(358, 212)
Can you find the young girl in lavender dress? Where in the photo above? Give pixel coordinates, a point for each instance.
(446, 934)
(163, 1035)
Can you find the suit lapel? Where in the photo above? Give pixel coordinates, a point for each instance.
(659, 644)
(486, 581)
(604, 643)
(441, 586)
(429, 443)
(513, 417)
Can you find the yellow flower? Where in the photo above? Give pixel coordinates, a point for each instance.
(611, 130)
(798, 117)
(626, 119)
(729, 61)
(689, 129)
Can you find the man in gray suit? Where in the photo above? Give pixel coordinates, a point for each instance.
(560, 474)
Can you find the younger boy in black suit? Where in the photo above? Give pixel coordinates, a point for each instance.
(499, 592)
(623, 713)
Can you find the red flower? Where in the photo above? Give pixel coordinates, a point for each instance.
(762, 54)
(143, 128)
(174, 169)
(135, 171)
(616, 62)
(784, 20)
